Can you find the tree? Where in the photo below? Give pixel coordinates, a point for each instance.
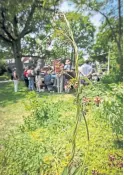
(82, 29)
(111, 10)
(19, 18)
(105, 46)
(60, 50)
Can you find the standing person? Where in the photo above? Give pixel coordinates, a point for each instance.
(86, 70)
(25, 73)
(38, 80)
(58, 67)
(67, 76)
(67, 65)
(60, 79)
(30, 72)
(47, 79)
(15, 79)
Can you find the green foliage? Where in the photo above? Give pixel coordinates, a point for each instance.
(113, 77)
(22, 157)
(4, 77)
(32, 18)
(60, 50)
(40, 140)
(2, 67)
(110, 106)
(113, 108)
(43, 112)
(83, 32)
(42, 145)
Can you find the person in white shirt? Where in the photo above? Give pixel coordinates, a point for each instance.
(86, 70)
(15, 79)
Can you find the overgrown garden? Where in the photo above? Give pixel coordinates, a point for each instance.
(63, 134)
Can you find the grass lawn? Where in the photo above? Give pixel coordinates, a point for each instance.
(11, 107)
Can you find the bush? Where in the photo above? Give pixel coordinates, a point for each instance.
(4, 77)
(110, 107)
(2, 67)
(113, 77)
(113, 108)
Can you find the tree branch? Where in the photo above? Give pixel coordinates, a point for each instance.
(107, 19)
(119, 22)
(4, 26)
(15, 27)
(5, 39)
(24, 31)
(30, 16)
(28, 31)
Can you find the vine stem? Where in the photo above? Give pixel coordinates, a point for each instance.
(88, 136)
(77, 94)
(78, 103)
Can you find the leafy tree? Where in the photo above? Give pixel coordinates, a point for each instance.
(105, 47)
(111, 10)
(19, 18)
(60, 50)
(82, 29)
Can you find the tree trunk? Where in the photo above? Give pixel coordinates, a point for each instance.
(119, 20)
(16, 46)
(120, 58)
(120, 45)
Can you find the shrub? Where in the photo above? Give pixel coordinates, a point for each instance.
(2, 67)
(113, 77)
(113, 107)
(110, 107)
(4, 77)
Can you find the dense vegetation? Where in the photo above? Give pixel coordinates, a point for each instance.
(42, 145)
(62, 134)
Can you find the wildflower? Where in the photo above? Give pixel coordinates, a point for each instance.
(86, 100)
(97, 100)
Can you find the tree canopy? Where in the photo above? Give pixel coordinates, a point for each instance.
(20, 18)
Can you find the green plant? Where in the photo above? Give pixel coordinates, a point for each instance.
(113, 108)
(43, 111)
(2, 67)
(45, 146)
(113, 77)
(4, 77)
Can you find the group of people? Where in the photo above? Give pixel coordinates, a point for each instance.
(51, 78)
